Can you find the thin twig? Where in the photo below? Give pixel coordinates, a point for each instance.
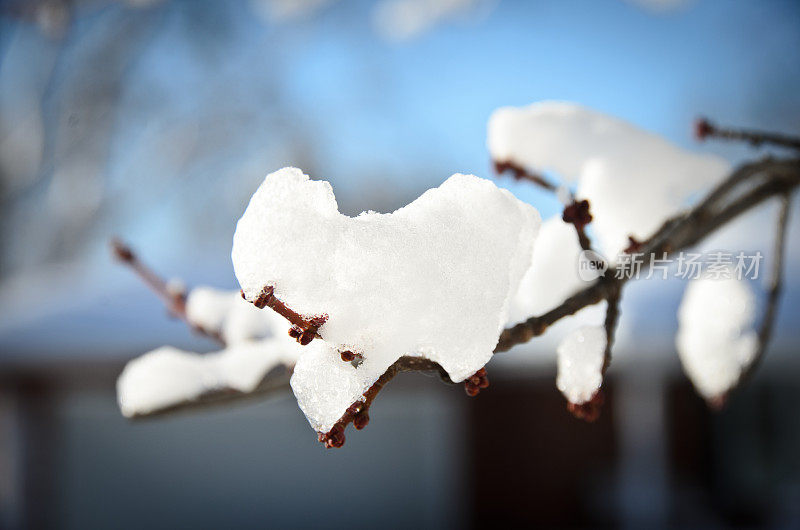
(520, 173)
(612, 317)
(304, 329)
(174, 301)
(774, 290)
(537, 325)
(575, 212)
(705, 129)
(357, 413)
(578, 215)
(583, 239)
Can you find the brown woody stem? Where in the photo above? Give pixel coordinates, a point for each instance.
(520, 173)
(775, 288)
(305, 328)
(174, 301)
(763, 180)
(706, 129)
(335, 437)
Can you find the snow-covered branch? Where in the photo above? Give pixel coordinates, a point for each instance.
(166, 381)
(437, 285)
(257, 359)
(765, 179)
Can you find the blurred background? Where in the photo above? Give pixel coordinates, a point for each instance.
(155, 120)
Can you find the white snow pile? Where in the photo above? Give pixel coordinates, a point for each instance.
(168, 376)
(580, 363)
(235, 320)
(716, 341)
(632, 178)
(257, 342)
(551, 279)
(553, 274)
(434, 278)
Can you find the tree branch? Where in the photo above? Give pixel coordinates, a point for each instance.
(537, 325)
(778, 177)
(747, 187)
(174, 301)
(705, 129)
(304, 329)
(612, 317)
(358, 412)
(578, 215)
(575, 212)
(774, 291)
(520, 173)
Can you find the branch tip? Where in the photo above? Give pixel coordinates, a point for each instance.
(121, 251)
(520, 173)
(588, 411)
(703, 129)
(476, 382)
(304, 329)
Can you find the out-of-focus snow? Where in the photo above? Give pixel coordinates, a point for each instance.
(257, 341)
(551, 279)
(633, 179)
(553, 275)
(226, 313)
(325, 386)
(434, 278)
(716, 340)
(167, 376)
(580, 363)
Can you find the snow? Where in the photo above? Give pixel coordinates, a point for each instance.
(257, 341)
(325, 386)
(716, 340)
(580, 363)
(553, 274)
(226, 313)
(168, 376)
(434, 278)
(633, 179)
(551, 279)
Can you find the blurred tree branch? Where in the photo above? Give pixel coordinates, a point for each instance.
(747, 187)
(775, 287)
(705, 129)
(174, 299)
